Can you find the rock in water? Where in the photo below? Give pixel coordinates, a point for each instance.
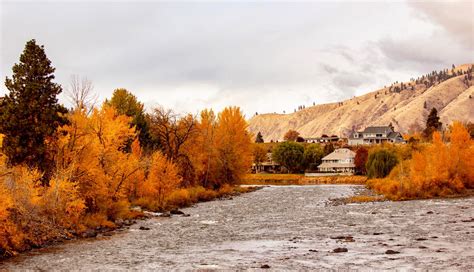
(176, 212)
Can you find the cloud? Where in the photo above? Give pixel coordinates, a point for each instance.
(263, 57)
(455, 17)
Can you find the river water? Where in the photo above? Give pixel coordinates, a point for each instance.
(285, 228)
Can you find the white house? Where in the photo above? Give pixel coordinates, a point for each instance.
(375, 135)
(339, 161)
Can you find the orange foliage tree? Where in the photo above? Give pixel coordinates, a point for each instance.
(90, 151)
(162, 179)
(439, 169)
(233, 144)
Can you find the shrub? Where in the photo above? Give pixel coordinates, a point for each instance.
(380, 163)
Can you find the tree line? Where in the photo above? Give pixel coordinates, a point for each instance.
(63, 171)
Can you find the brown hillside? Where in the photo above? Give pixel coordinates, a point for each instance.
(453, 98)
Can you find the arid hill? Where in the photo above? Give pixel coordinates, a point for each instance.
(404, 106)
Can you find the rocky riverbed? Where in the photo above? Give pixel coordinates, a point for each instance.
(283, 228)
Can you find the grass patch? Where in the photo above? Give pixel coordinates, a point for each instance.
(300, 179)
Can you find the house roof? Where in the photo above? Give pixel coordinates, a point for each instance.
(340, 154)
(382, 129)
(322, 138)
(393, 135)
(335, 165)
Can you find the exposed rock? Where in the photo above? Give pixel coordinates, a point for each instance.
(176, 212)
(340, 249)
(265, 266)
(421, 239)
(312, 250)
(165, 214)
(392, 252)
(144, 228)
(89, 234)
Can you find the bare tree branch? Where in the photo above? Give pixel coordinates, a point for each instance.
(81, 93)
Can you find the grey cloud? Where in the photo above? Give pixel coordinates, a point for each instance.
(456, 17)
(262, 56)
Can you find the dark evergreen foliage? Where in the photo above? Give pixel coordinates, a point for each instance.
(259, 138)
(432, 123)
(30, 112)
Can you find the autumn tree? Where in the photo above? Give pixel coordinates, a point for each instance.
(380, 163)
(89, 149)
(30, 112)
(161, 180)
(432, 123)
(173, 132)
(202, 148)
(312, 156)
(291, 135)
(127, 104)
(360, 160)
(233, 144)
(259, 153)
(290, 155)
(259, 138)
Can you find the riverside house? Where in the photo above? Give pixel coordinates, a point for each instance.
(339, 161)
(268, 166)
(376, 135)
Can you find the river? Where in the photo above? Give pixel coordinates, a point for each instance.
(284, 228)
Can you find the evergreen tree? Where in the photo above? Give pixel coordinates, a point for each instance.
(259, 138)
(30, 112)
(432, 123)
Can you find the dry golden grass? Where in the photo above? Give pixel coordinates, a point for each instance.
(298, 179)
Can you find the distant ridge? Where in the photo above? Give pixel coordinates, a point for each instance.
(404, 105)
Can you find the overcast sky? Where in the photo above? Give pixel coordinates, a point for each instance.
(261, 56)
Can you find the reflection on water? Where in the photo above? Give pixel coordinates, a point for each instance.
(285, 228)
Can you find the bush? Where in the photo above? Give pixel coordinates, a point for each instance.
(380, 163)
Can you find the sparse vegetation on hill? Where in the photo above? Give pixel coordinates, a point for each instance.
(448, 92)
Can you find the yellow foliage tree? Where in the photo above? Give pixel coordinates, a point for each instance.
(161, 180)
(439, 169)
(91, 149)
(234, 146)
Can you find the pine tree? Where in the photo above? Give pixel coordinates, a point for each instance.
(259, 138)
(432, 123)
(30, 113)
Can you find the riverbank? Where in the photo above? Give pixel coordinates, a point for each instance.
(284, 228)
(181, 198)
(300, 179)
